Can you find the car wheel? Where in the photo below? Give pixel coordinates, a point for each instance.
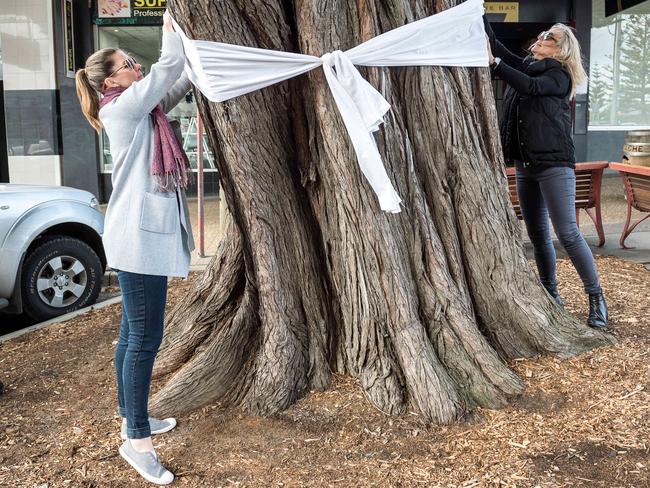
(61, 275)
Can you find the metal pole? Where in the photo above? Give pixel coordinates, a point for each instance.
(199, 182)
(616, 70)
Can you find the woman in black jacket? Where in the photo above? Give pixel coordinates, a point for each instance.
(536, 138)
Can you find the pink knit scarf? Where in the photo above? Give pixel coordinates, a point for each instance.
(169, 165)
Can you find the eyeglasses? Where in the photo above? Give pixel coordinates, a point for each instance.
(129, 63)
(546, 36)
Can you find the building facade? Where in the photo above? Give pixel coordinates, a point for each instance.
(44, 137)
(42, 44)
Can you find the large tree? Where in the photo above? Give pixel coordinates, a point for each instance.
(635, 70)
(423, 307)
(600, 93)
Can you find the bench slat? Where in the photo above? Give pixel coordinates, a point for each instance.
(643, 184)
(641, 199)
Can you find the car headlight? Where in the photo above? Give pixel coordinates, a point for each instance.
(94, 203)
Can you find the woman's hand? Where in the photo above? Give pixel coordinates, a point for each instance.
(167, 22)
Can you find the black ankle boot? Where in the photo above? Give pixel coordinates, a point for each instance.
(598, 314)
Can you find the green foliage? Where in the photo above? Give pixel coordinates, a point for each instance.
(619, 88)
(600, 93)
(634, 65)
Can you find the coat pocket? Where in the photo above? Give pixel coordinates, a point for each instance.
(159, 214)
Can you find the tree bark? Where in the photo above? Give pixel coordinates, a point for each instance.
(423, 307)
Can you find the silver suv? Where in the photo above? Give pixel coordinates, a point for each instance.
(51, 255)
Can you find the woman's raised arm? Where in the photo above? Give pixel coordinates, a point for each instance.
(142, 96)
(500, 50)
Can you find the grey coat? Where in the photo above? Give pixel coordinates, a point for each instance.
(145, 231)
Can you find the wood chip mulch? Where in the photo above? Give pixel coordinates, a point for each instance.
(581, 422)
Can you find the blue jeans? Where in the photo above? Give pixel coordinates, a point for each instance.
(141, 331)
(552, 191)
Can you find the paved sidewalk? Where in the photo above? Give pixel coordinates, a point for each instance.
(638, 242)
(614, 210)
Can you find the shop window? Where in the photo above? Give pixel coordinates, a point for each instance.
(143, 43)
(619, 84)
(185, 113)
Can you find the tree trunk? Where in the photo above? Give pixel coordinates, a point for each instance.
(423, 307)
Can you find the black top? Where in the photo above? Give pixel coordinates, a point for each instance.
(536, 122)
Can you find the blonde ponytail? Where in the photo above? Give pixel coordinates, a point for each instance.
(89, 82)
(88, 98)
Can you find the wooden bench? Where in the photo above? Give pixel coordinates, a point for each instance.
(589, 178)
(637, 189)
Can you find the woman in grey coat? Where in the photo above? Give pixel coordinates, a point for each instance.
(147, 235)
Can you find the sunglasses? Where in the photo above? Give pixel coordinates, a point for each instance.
(546, 36)
(129, 63)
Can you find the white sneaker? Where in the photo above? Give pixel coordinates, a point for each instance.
(156, 426)
(146, 464)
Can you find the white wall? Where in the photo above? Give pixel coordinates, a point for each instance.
(35, 170)
(28, 63)
(26, 28)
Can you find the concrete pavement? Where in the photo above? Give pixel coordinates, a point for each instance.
(638, 242)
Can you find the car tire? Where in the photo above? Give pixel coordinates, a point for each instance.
(60, 275)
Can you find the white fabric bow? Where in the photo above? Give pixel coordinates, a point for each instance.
(454, 37)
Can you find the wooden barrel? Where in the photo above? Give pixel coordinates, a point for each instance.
(636, 149)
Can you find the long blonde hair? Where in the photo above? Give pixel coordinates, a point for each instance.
(570, 56)
(89, 81)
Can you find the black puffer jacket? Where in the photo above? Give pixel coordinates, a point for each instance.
(536, 122)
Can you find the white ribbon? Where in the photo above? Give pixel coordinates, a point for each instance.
(454, 37)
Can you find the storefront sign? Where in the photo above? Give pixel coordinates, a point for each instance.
(68, 33)
(503, 11)
(149, 8)
(111, 9)
(529, 11)
(130, 12)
